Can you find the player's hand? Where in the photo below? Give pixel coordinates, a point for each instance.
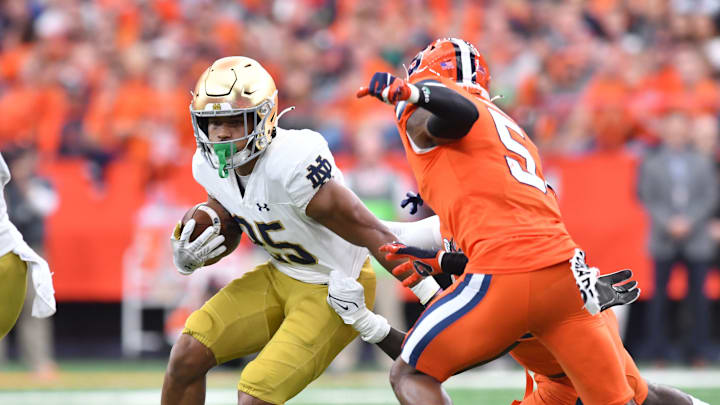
(610, 294)
(346, 296)
(190, 255)
(388, 88)
(414, 199)
(419, 263)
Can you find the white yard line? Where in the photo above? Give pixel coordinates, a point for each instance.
(677, 377)
(377, 392)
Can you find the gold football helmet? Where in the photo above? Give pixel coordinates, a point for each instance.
(234, 86)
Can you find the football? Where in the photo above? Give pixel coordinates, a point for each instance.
(212, 213)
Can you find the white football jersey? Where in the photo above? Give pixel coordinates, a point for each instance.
(271, 212)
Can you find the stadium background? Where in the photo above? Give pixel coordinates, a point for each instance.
(99, 90)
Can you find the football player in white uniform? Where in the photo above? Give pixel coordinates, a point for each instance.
(16, 258)
(283, 188)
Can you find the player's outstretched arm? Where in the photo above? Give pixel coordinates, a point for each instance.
(340, 210)
(451, 117)
(347, 297)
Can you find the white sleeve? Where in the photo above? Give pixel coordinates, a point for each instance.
(4, 172)
(206, 176)
(314, 169)
(424, 234)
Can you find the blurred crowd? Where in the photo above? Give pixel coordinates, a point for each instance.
(109, 80)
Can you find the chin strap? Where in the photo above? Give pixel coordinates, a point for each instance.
(223, 151)
(283, 112)
(492, 100)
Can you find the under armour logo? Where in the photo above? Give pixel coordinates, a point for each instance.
(262, 207)
(319, 174)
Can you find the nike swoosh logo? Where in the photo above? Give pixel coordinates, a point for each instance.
(338, 302)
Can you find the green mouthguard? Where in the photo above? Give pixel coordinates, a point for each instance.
(223, 152)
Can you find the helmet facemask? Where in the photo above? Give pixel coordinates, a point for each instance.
(259, 127)
(238, 87)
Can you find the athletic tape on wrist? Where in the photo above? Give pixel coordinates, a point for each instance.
(414, 94)
(425, 289)
(373, 328)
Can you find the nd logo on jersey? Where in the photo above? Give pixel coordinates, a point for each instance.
(320, 173)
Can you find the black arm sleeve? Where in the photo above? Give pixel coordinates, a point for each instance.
(453, 263)
(453, 114)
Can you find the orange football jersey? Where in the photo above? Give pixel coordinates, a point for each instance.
(490, 193)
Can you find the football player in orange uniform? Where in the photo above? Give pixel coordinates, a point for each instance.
(553, 386)
(481, 174)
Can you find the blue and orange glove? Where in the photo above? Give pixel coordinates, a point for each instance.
(390, 89)
(420, 263)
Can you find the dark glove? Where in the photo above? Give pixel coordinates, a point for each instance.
(414, 199)
(610, 295)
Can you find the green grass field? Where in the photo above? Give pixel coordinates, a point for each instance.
(138, 383)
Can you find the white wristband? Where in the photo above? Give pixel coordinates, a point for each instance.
(373, 328)
(439, 259)
(425, 289)
(414, 94)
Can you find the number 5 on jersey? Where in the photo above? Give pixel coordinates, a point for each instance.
(528, 174)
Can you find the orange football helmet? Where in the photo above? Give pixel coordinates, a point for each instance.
(454, 59)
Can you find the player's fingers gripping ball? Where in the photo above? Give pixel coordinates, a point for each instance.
(206, 233)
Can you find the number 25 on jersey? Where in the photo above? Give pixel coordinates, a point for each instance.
(283, 251)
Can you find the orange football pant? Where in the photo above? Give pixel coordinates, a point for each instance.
(481, 316)
(559, 390)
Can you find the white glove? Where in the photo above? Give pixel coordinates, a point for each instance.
(188, 256)
(347, 297)
(586, 279)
